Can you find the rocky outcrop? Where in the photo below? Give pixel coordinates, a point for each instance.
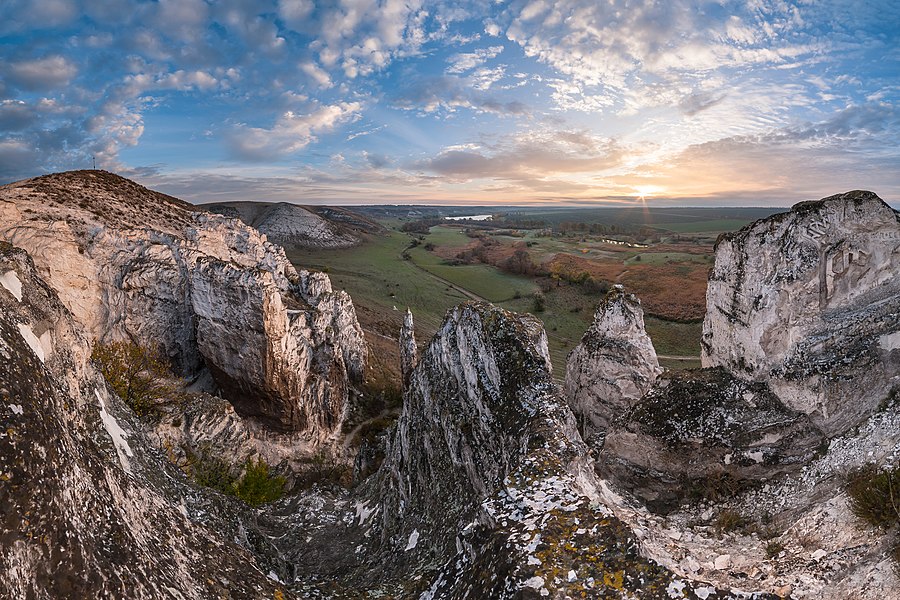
(486, 491)
(487, 479)
(90, 509)
(409, 352)
(742, 464)
(614, 365)
(809, 301)
(704, 434)
(208, 291)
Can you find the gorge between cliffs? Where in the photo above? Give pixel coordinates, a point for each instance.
(615, 478)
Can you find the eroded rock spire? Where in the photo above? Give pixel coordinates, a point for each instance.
(613, 366)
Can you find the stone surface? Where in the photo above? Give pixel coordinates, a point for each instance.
(209, 291)
(90, 509)
(809, 301)
(487, 490)
(409, 352)
(613, 366)
(704, 434)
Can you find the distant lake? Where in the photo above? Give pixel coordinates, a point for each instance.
(470, 218)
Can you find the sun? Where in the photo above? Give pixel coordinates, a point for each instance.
(646, 191)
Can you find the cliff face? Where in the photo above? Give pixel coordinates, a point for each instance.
(809, 301)
(91, 510)
(487, 490)
(133, 264)
(614, 365)
(800, 363)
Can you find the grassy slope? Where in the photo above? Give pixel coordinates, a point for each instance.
(374, 271)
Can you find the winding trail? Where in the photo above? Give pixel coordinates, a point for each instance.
(460, 289)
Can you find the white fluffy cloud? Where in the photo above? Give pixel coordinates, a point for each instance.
(290, 132)
(466, 61)
(41, 73)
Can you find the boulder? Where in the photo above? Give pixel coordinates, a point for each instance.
(704, 434)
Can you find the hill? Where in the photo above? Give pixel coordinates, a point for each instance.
(298, 226)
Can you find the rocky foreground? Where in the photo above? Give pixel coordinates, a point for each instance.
(631, 482)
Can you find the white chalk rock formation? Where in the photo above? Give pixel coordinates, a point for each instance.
(809, 301)
(409, 352)
(93, 510)
(131, 263)
(614, 365)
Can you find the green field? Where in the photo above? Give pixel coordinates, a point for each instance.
(378, 279)
(383, 284)
(482, 280)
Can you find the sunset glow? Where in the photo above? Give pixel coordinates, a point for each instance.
(406, 101)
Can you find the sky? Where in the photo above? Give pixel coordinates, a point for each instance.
(573, 102)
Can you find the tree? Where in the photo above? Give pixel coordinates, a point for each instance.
(137, 375)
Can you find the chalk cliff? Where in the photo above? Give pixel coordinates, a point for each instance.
(208, 291)
(809, 301)
(91, 508)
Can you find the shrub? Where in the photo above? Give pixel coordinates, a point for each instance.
(257, 486)
(730, 520)
(875, 498)
(875, 495)
(539, 302)
(212, 472)
(136, 374)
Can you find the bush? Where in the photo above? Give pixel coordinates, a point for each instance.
(539, 302)
(875, 495)
(212, 472)
(257, 486)
(137, 375)
(729, 520)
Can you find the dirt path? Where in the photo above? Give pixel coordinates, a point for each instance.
(460, 289)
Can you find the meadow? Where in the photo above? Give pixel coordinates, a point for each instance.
(389, 273)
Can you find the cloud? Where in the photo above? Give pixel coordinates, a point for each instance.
(450, 93)
(465, 61)
(182, 19)
(16, 115)
(290, 133)
(798, 162)
(295, 12)
(16, 156)
(359, 134)
(698, 101)
(41, 73)
(529, 158)
(316, 74)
